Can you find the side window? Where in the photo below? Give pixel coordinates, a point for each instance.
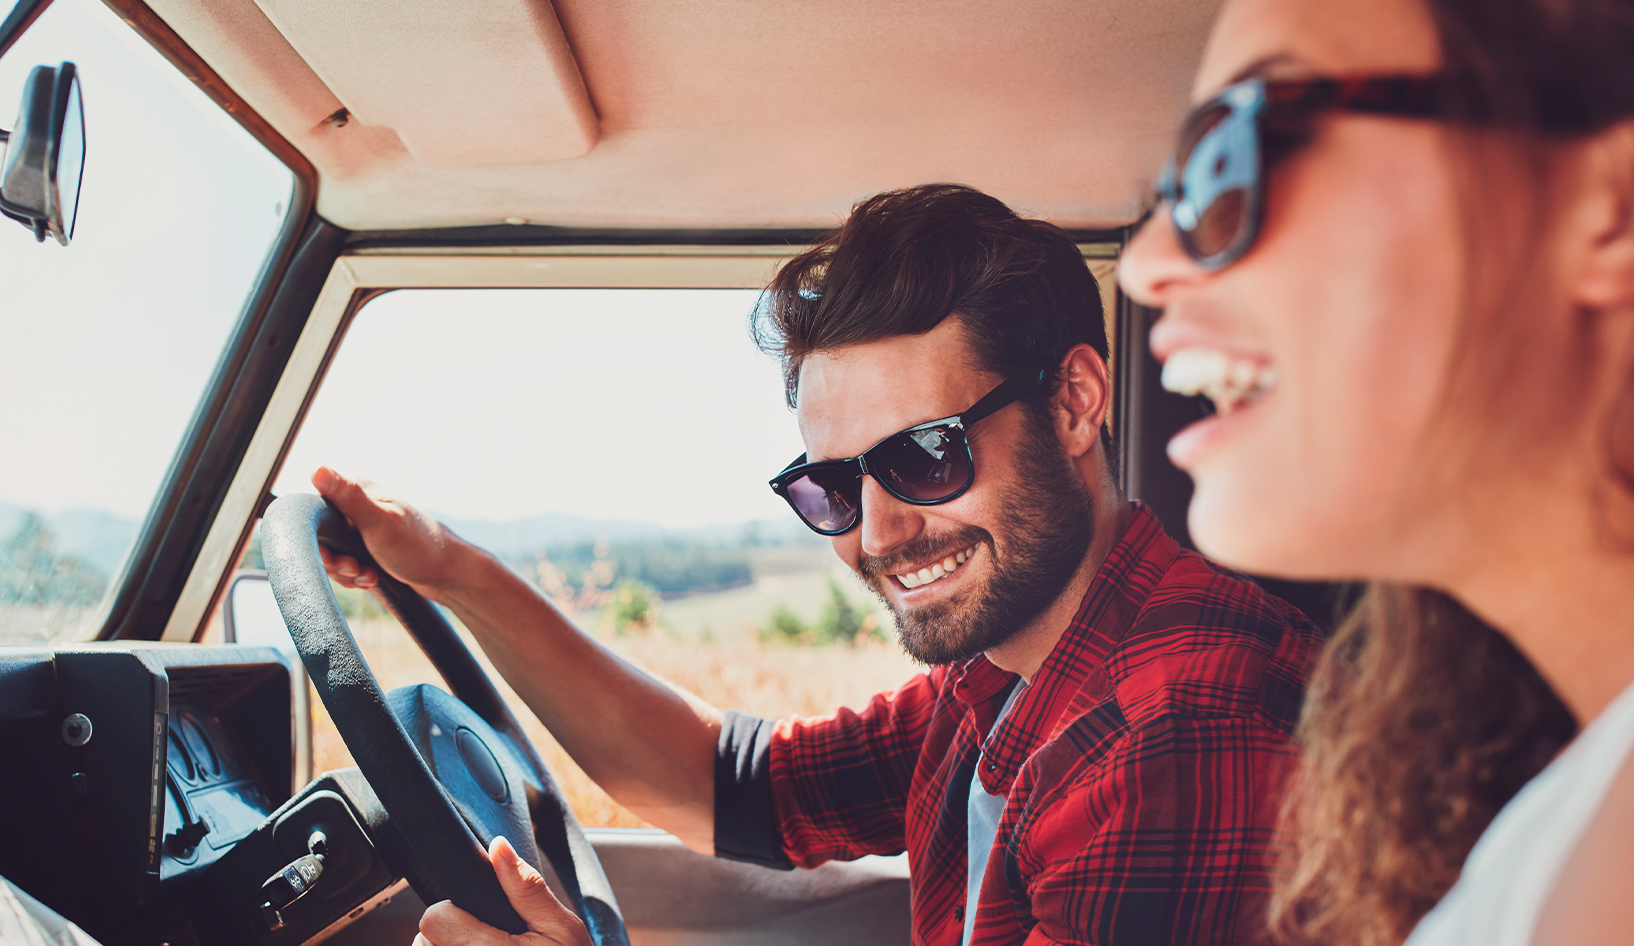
(613, 446)
(106, 345)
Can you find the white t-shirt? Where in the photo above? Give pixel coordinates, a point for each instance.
(982, 812)
(1514, 867)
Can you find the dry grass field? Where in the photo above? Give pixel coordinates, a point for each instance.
(710, 648)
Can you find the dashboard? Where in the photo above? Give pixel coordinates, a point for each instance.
(213, 797)
(150, 798)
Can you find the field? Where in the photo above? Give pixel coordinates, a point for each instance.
(710, 645)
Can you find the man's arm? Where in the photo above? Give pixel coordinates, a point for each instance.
(649, 745)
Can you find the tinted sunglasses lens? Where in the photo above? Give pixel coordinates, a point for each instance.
(828, 500)
(922, 465)
(1218, 173)
(1220, 225)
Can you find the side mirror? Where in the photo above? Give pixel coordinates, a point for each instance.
(45, 155)
(250, 615)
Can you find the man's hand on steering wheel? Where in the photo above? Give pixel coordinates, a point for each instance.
(415, 744)
(549, 923)
(412, 546)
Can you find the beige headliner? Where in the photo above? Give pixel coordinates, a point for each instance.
(706, 113)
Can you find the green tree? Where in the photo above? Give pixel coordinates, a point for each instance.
(252, 554)
(785, 627)
(634, 607)
(843, 621)
(32, 572)
(670, 565)
(357, 604)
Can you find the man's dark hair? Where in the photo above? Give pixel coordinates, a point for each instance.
(907, 259)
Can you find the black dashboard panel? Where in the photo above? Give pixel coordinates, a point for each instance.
(147, 796)
(135, 766)
(214, 797)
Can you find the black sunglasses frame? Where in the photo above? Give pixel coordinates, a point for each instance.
(1009, 391)
(1277, 117)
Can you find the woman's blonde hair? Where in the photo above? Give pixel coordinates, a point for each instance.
(1421, 722)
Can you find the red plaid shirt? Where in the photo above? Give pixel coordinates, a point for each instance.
(1143, 766)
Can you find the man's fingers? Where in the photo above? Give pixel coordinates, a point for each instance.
(350, 496)
(532, 899)
(402, 541)
(346, 570)
(444, 924)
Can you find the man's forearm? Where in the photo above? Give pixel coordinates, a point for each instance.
(649, 745)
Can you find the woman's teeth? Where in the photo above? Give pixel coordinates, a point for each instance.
(945, 567)
(1227, 381)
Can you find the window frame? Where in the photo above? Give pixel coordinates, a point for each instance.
(370, 270)
(171, 531)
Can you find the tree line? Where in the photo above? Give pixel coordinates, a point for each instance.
(34, 572)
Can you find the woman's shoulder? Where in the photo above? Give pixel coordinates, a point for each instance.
(1590, 902)
(1556, 865)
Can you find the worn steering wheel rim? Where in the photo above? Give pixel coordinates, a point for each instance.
(444, 858)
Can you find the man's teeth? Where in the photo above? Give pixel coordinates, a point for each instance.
(930, 573)
(1227, 381)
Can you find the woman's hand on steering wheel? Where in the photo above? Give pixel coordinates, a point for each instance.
(549, 923)
(415, 548)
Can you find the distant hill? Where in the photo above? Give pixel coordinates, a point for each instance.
(521, 537)
(102, 539)
(99, 538)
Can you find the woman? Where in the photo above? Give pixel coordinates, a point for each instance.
(1411, 295)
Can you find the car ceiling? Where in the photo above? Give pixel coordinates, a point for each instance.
(704, 114)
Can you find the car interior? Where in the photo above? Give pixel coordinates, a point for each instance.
(161, 784)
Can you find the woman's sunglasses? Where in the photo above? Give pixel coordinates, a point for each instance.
(923, 465)
(1215, 182)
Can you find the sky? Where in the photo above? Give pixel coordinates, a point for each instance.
(640, 404)
(107, 344)
(632, 404)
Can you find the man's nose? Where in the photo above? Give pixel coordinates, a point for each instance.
(1154, 265)
(887, 522)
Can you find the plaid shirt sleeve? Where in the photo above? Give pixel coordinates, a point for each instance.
(1167, 840)
(840, 782)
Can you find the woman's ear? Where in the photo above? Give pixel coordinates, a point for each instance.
(1084, 399)
(1603, 220)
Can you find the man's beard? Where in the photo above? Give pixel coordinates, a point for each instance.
(1047, 521)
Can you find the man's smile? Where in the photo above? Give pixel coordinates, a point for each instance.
(936, 570)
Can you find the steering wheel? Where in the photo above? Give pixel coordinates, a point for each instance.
(454, 771)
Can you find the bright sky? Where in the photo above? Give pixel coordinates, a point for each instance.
(107, 344)
(650, 405)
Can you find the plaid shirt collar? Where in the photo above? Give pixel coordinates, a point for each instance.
(1076, 670)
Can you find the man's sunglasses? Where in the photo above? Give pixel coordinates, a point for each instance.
(923, 465)
(1215, 182)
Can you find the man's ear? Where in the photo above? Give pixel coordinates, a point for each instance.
(1082, 402)
(1603, 221)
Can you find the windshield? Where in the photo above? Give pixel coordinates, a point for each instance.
(106, 345)
(612, 446)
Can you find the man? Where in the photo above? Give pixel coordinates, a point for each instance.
(1095, 755)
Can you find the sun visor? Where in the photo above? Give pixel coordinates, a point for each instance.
(461, 83)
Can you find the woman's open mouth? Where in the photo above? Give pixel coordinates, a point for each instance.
(1230, 381)
(1233, 382)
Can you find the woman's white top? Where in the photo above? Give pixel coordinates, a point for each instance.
(1513, 868)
